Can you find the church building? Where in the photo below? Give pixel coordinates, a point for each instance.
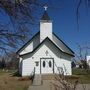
(45, 53)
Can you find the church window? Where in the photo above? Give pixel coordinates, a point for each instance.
(50, 64)
(43, 63)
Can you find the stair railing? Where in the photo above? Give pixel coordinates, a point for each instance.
(33, 75)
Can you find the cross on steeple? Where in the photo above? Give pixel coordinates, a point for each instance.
(45, 15)
(45, 7)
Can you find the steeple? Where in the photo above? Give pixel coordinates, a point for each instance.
(45, 26)
(45, 15)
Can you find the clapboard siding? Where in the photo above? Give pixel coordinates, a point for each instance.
(45, 30)
(28, 67)
(60, 59)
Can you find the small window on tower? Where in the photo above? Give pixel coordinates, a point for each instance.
(37, 63)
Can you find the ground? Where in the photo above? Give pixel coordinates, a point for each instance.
(10, 82)
(83, 74)
(48, 85)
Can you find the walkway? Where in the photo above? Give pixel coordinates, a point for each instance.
(47, 85)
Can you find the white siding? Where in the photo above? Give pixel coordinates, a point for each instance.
(45, 30)
(20, 66)
(27, 67)
(65, 65)
(29, 48)
(88, 60)
(60, 59)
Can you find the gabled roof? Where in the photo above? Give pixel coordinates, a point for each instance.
(27, 42)
(45, 16)
(47, 39)
(65, 51)
(63, 43)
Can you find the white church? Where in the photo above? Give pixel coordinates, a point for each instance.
(45, 53)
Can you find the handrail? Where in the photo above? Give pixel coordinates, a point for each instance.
(34, 70)
(33, 75)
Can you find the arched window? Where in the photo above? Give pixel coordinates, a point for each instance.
(43, 63)
(50, 64)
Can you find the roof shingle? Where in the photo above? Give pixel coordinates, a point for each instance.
(45, 16)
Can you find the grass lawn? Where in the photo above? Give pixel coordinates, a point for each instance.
(84, 75)
(10, 82)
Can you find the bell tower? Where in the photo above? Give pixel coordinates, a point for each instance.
(45, 26)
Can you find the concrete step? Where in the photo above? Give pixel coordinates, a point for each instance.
(37, 80)
(48, 77)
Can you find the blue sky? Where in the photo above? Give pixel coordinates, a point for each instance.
(63, 16)
(65, 24)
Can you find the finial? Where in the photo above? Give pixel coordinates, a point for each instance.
(45, 7)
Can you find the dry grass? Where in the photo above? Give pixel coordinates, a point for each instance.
(84, 75)
(9, 82)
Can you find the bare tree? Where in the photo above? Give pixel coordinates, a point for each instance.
(82, 55)
(22, 15)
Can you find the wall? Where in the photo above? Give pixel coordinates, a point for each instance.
(20, 66)
(88, 60)
(28, 67)
(60, 59)
(45, 30)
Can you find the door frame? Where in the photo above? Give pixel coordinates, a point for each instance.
(46, 58)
